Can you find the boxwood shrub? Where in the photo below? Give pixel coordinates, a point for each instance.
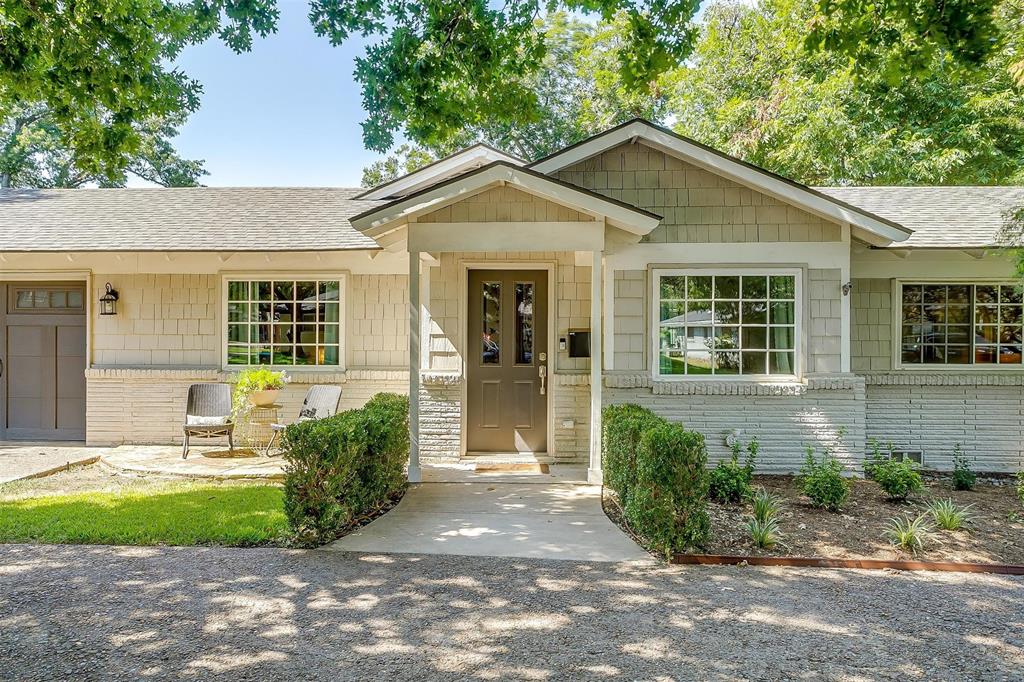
(344, 467)
(658, 470)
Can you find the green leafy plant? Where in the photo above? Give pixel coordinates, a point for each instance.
(948, 516)
(907, 533)
(341, 468)
(659, 474)
(1020, 486)
(823, 481)
(765, 505)
(898, 478)
(964, 477)
(764, 533)
(730, 481)
(252, 380)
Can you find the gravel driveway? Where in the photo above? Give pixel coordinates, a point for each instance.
(91, 613)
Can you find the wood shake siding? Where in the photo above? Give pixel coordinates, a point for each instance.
(503, 204)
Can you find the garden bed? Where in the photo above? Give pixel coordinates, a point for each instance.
(996, 534)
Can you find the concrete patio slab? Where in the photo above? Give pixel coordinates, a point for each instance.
(526, 520)
(31, 460)
(202, 462)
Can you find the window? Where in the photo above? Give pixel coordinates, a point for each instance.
(48, 299)
(960, 324)
(734, 323)
(284, 322)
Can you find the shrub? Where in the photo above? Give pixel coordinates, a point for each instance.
(898, 478)
(764, 533)
(823, 481)
(664, 497)
(766, 505)
(948, 516)
(907, 533)
(730, 482)
(344, 467)
(1020, 486)
(623, 425)
(964, 477)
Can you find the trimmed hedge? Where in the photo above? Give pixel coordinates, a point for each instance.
(344, 467)
(658, 470)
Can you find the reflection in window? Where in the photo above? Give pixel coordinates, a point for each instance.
(283, 322)
(48, 299)
(961, 324)
(524, 323)
(491, 332)
(727, 324)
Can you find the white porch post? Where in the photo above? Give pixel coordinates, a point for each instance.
(414, 367)
(595, 473)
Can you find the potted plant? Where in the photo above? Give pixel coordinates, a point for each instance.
(258, 386)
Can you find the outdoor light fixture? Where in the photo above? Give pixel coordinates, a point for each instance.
(108, 301)
(847, 288)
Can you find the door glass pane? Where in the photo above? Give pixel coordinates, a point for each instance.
(491, 331)
(524, 323)
(74, 299)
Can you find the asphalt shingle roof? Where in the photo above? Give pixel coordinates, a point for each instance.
(941, 217)
(182, 219)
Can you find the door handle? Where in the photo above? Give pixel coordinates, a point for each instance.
(543, 375)
(1, 367)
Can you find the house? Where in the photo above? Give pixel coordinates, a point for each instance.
(515, 299)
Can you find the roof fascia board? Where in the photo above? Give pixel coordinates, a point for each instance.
(478, 154)
(374, 223)
(716, 162)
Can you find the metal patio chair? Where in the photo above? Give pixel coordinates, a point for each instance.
(321, 401)
(208, 414)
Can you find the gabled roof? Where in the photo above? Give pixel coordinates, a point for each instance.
(867, 225)
(480, 154)
(381, 219)
(181, 219)
(941, 217)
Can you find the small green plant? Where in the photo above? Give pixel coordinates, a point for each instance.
(823, 481)
(1020, 486)
(907, 533)
(764, 533)
(766, 505)
(898, 478)
(964, 477)
(254, 379)
(730, 481)
(948, 516)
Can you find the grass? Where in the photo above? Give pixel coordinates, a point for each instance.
(948, 516)
(188, 513)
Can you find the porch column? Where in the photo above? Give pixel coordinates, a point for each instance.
(594, 473)
(414, 367)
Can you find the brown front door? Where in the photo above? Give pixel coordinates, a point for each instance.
(507, 361)
(42, 351)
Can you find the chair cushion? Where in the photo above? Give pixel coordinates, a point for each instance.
(195, 420)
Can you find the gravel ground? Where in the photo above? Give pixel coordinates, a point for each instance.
(110, 613)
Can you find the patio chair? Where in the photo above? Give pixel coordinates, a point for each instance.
(208, 414)
(320, 401)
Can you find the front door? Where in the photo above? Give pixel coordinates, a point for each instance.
(506, 361)
(42, 361)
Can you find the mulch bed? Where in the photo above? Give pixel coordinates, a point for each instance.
(996, 534)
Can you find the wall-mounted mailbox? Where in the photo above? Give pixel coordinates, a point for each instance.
(579, 343)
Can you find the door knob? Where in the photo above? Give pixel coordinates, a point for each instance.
(543, 371)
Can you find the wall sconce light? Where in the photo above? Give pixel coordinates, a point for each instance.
(847, 288)
(108, 301)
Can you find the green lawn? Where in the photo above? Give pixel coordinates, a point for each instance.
(169, 514)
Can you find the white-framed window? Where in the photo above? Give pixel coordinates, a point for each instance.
(959, 324)
(286, 321)
(730, 323)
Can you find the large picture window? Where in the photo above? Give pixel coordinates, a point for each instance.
(961, 324)
(726, 323)
(283, 321)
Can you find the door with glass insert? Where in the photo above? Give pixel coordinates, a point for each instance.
(507, 361)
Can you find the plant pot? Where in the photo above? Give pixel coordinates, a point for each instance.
(264, 398)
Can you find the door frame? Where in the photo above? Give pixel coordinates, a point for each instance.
(464, 267)
(10, 277)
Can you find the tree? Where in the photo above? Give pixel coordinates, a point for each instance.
(32, 154)
(752, 90)
(579, 91)
(99, 70)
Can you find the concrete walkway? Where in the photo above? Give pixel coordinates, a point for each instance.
(535, 518)
(31, 460)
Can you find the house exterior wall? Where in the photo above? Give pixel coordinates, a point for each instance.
(503, 204)
(932, 409)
